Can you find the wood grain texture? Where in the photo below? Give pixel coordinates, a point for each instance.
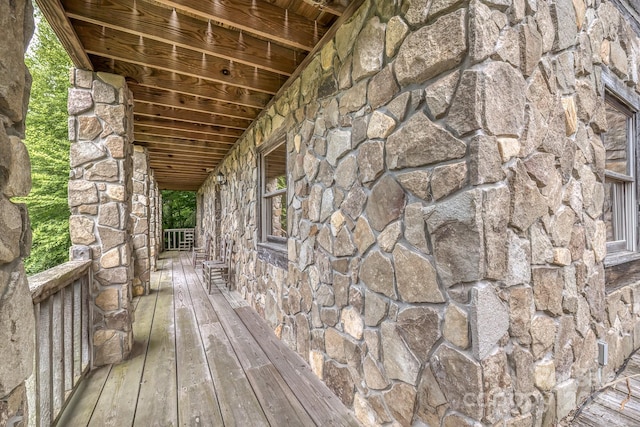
(138, 50)
(165, 25)
(259, 18)
(155, 114)
(181, 83)
(227, 129)
(81, 406)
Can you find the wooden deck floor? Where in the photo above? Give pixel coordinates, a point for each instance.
(617, 405)
(203, 360)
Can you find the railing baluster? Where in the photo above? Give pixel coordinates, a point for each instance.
(45, 371)
(58, 353)
(77, 330)
(87, 337)
(68, 340)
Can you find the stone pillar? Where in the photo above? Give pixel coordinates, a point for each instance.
(153, 206)
(101, 133)
(17, 323)
(140, 218)
(159, 229)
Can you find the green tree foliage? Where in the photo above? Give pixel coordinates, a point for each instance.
(48, 145)
(178, 209)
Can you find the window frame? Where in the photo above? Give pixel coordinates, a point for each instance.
(275, 242)
(618, 94)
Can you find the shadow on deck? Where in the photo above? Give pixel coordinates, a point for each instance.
(203, 360)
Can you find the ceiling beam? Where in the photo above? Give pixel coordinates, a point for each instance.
(144, 111)
(138, 50)
(181, 125)
(259, 18)
(142, 133)
(162, 149)
(53, 11)
(190, 143)
(167, 26)
(181, 83)
(191, 103)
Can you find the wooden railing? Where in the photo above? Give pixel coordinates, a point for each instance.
(63, 336)
(178, 239)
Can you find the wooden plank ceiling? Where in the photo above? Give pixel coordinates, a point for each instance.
(201, 71)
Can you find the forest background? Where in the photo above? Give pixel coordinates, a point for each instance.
(48, 144)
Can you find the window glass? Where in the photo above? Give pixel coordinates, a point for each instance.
(274, 197)
(616, 139)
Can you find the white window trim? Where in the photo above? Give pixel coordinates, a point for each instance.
(626, 249)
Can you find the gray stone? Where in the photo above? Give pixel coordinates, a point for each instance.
(310, 166)
(489, 320)
(543, 332)
(397, 30)
(414, 225)
(522, 361)
(547, 289)
(363, 236)
(103, 92)
(78, 101)
(109, 215)
(454, 226)
(375, 308)
(385, 203)
(448, 179)
(417, 12)
(520, 312)
(460, 379)
(399, 106)
(82, 192)
(339, 380)
(368, 51)
(327, 207)
(401, 400)
(382, 88)
(415, 277)
(85, 152)
(110, 238)
(495, 207)
(380, 125)
(565, 73)
(18, 183)
(348, 32)
(82, 230)
(519, 257)
(497, 387)
(456, 326)
(504, 99)
(565, 398)
(420, 329)
(399, 361)
(116, 146)
(528, 203)
(541, 248)
(343, 245)
(432, 49)
(353, 204)
(370, 161)
(545, 375)
(420, 142)
(352, 322)
(508, 47)
(439, 94)
(377, 273)
(541, 167)
(113, 116)
(88, 128)
(389, 236)
(417, 182)
(483, 31)
(346, 172)
(339, 142)
(106, 170)
(485, 165)
(564, 20)
(373, 375)
(315, 201)
(11, 223)
(465, 113)
(18, 325)
(354, 99)
(530, 47)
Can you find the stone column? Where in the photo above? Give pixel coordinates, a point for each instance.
(140, 218)
(101, 133)
(17, 323)
(153, 206)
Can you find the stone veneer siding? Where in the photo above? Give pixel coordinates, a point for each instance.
(140, 214)
(100, 197)
(445, 259)
(17, 322)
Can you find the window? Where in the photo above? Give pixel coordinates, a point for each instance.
(273, 165)
(620, 173)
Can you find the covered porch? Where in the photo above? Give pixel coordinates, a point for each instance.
(202, 359)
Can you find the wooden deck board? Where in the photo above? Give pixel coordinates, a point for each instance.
(158, 397)
(210, 360)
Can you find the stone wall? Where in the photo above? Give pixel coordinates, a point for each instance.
(140, 214)
(154, 227)
(17, 323)
(445, 259)
(100, 196)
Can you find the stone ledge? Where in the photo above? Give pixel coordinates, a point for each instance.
(47, 283)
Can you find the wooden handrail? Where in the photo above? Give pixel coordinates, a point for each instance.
(63, 311)
(48, 282)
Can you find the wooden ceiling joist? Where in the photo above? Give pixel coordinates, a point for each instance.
(260, 18)
(195, 151)
(173, 142)
(181, 83)
(167, 26)
(191, 103)
(181, 125)
(139, 50)
(150, 114)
